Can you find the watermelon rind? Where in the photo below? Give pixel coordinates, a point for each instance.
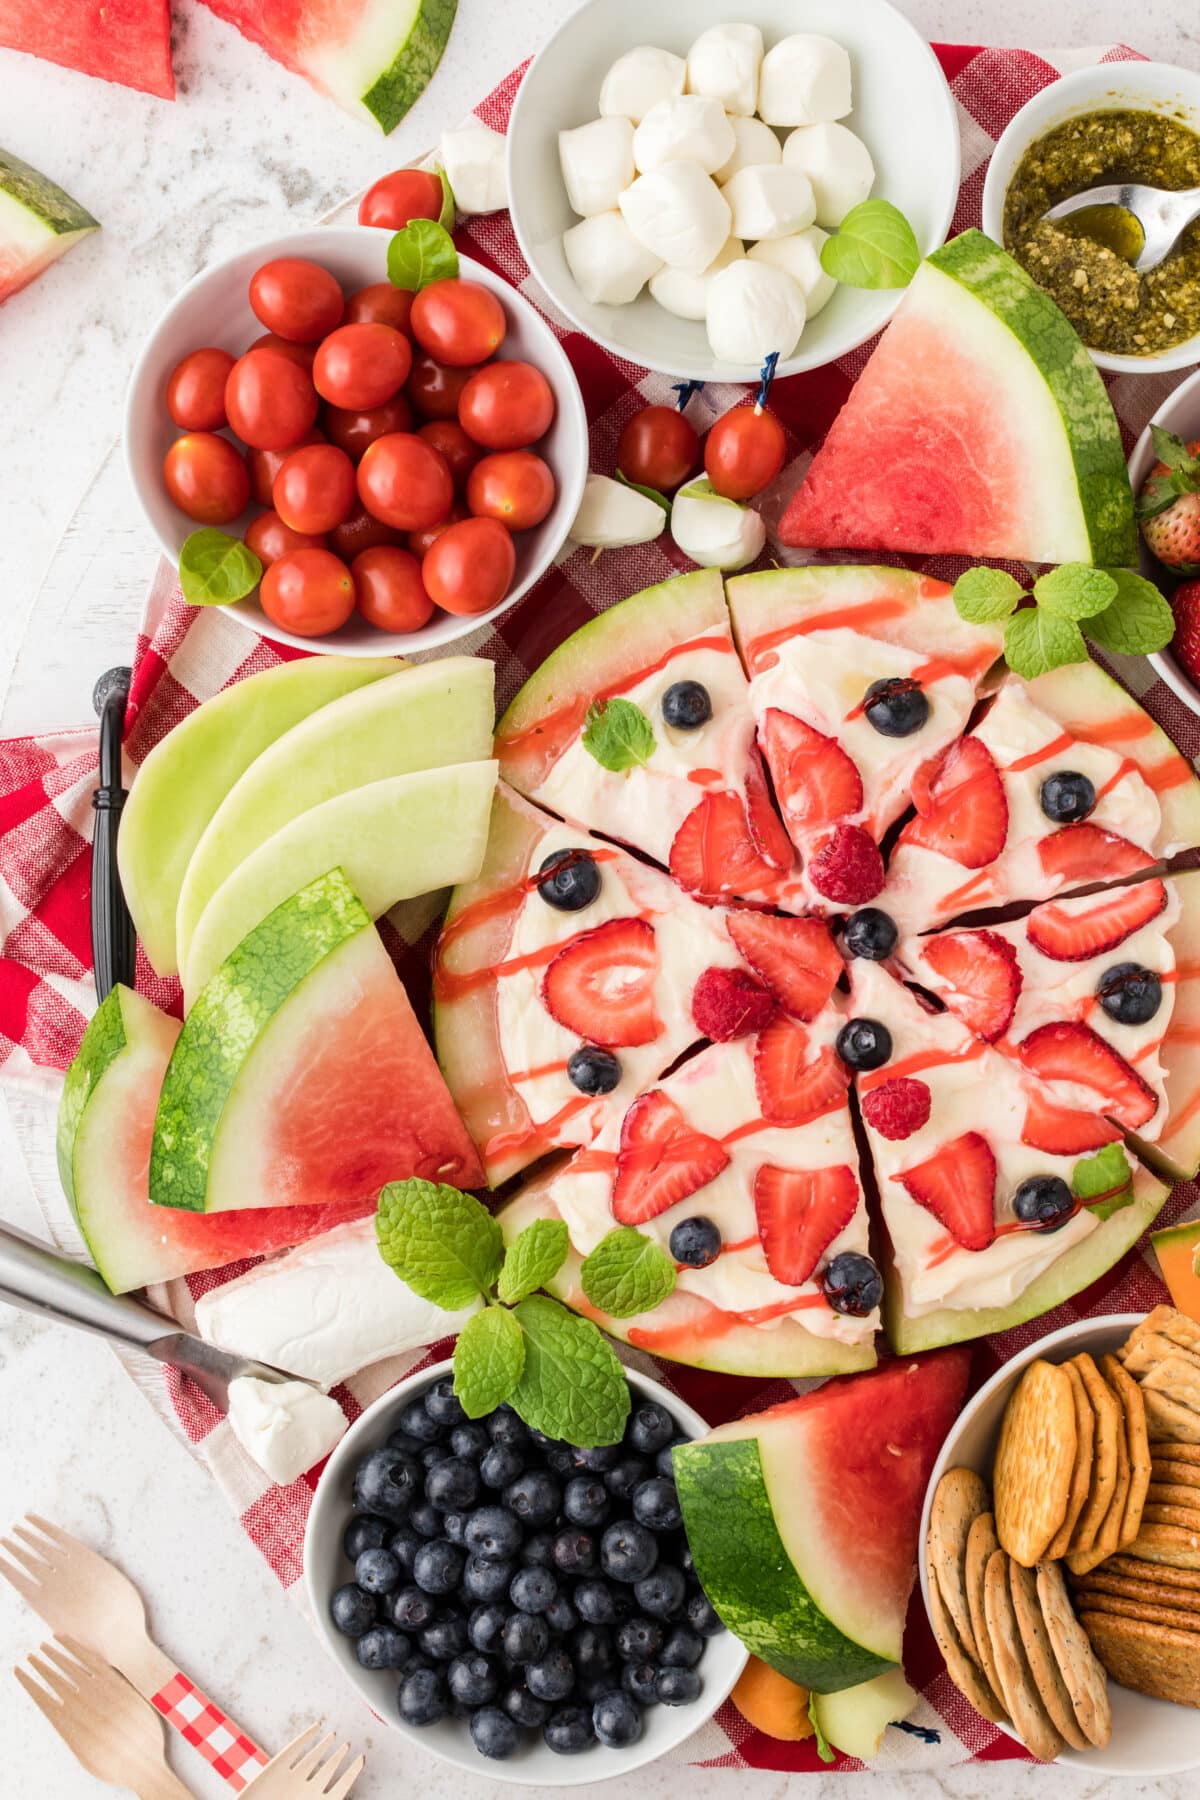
(103, 1042)
(184, 779)
(1175, 1154)
(39, 222)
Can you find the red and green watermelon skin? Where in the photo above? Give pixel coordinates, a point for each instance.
(128, 41)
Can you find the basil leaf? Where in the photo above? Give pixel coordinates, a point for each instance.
(420, 254)
(627, 1273)
(488, 1359)
(1036, 641)
(1075, 591)
(1137, 621)
(981, 595)
(572, 1387)
(1102, 1181)
(449, 213)
(702, 489)
(875, 247)
(618, 735)
(443, 1243)
(533, 1259)
(216, 569)
(649, 492)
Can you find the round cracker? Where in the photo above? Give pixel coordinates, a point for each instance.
(1128, 1587)
(958, 1500)
(1021, 1697)
(1175, 1618)
(1039, 1653)
(1106, 1409)
(1035, 1459)
(982, 1544)
(1137, 1440)
(1082, 1672)
(966, 1675)
(1136, 1568)
(1081, 1473)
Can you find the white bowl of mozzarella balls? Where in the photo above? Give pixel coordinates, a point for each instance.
(673, 174)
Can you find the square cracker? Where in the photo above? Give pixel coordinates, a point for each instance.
(982, 1543)
(1175, 1618)
(1168, 1471)
(1186, 1517)
(1035, 1459)
(1169, 1422)
(1168, 1544)
(959, 1498)
(1137, 1441)
(1144, 1588)
(1163, 1321)
(1136, 1569)
(1145, 1354)
(1081, 1473)
(1111, 1526)
(1082, 1673)
(1150, 1659)
(1178, 1377)
(1162, 1492)
(1039, 1653)
(1106, 1409)
(963, 1671)
(1180, 1453)
(1021, 1698)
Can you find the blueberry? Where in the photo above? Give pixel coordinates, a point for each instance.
(664, 1463)
(383, 1647)
(595, 1602)
(617, 1719)
(505, 1427)
(553, 1676)
(484, 1580)
(1045, 1202)
(532, 1590)
(695, 1242)
(420, 1423)
(445, 1636)
(676, 1686)
(588, 1688)
(493, 1533)
(640, 1680)
(388, 1482)
(852, 1284)
(494, 1734)
(639, 1639)
(438, 1567)
(656, 1505)
(650, 1427)
(454, 1526)
(870, 933)
(485, 1625)
(366, 1531)
(568, 1730)
(538, 1550)
(592, 1649)
(473, 1679)
(470, 1441)
(701, 1615)
(412, 1607)
(525, 1707)
(526, 1637)
(1130, 994)
(1066, 796)
(585, 1500)
(561, 1616)
(593, 1070)
(426, 1520)
(687, 705)
(622, 1480)
(378, 1571)
(453, 1485)
(575, 1552)
(603, 1458)
(421, 1699)
(864, 1044)
(431, 1454)
(404, 1545)
(442, 1405)
(352, 1611)
(500, 1464)
(627, 1551)
(534, 1497)
(571, 880)
(404, 1440)
(560, 1460)
(896, 706)
(662, 1592)
(683, 1648)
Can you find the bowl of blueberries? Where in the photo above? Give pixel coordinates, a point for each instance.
(512, 1603)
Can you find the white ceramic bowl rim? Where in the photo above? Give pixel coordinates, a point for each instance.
(1180, 406)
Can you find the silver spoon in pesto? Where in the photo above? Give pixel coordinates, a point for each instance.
(1141, 224)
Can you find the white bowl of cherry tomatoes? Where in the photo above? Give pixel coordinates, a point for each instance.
(404, 466)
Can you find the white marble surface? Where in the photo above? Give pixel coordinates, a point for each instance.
(245, 151)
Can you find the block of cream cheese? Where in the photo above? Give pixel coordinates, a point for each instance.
(724, 62)
(639, 80)
(286, 1426)
(837, 163)
(678, 214)
(752, 310)
(769, 200)
(686, 294)
(473, 159)
(609, 264)
(597, 164)
(753, 142)
(688, 128)
(804, 80)
(800, 257)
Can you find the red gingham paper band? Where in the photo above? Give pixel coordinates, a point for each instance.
(234, 1756)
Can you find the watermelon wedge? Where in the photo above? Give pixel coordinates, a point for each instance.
(38, 223)
(374, 57)
(128, 41)
(979, 426)
(105, 1126)
(826, 1492)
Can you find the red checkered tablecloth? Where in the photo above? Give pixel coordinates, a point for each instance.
(183, 656)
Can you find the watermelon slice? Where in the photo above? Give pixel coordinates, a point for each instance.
(118, 40)
(105, 1126)
(301, 1075)
(826, 1491)
(979, 426)
(38, 223)
(374, 57)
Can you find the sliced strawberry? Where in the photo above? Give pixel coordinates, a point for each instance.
(1071, 1051)
(983, 977)
(601, 984)
(958, 1186)
(714, 855)
(770, 839)
(817, 783)
(961, 808)
(1081, 853)
(1063, 1130)
(1072, 936)
(799, 1213)
(794, 1084)
(661, 1160)
(797, 958)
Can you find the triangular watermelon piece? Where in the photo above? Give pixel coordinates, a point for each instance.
(118, 40)
(980, 426)
(38, 224)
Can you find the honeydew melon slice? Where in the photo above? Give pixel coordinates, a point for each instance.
(186, 776)
(424, 717)
(855, 1719)
(38, 224)
(392, 839)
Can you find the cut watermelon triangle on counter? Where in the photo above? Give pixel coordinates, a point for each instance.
(128, 41)
(38, 224)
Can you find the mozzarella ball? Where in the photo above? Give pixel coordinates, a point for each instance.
(597, 164)
(690, 128)
(836, 162)
(768, 200)
(799, 257)
(724, 62)
(473, 159)
(716, 533)
(612, 516)
(804, 80)
(753, 309)
(678, 215)
(685, 294)
(610, 266)
(639, 80)
(753, 142)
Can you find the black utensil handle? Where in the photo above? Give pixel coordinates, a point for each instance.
(114, 943)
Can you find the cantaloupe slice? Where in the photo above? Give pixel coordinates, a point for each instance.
(771, 1703)
(1178, 1252)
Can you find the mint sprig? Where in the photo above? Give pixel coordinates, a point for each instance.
(1075, 591)
(420, 254)
(1102, 1181)
(488, 1359)
(533, 1260)
(572, 1385)
(627, 1273)
(984, 595)
(875, 247)
(618, 735)
(216, 569)
(1036, 641)
(1117, 608)
(443, 1243)
(1138, 620)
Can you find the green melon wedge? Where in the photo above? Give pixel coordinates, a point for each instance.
(189, 772)
(855, 1719)
(425, 717)
(38, 223)
(392, 839)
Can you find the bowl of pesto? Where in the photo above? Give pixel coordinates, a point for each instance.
(1134, 121)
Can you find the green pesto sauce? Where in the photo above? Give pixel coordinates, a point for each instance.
(1085, 264)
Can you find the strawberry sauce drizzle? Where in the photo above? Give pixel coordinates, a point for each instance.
(920, 1059)
(513, 1143)
(717, 1324)
(855, 617)
(1056, 747)
(945, 1247)
(451, 984)
(553, 728)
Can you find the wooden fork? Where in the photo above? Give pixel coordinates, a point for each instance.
(306, 1769)
(113, 1733)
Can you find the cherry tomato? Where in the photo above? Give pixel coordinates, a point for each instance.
(352, 429)
(391, 594)
(515, 487)
(270, 538)
(380, 304)
(469, 568)
(206, 477)
(314, 490)
(658, 448)
(434, 389)
(309, 592)
(397, 198)
(459, 322)
(269, 401)
(506, 406)
(405, 482)
(361, 532)
(196, 390)
(743, 452)
(264, 466)
(301, 354)
(419, 541)
(296, 299)
(362, 365)
(448, 436)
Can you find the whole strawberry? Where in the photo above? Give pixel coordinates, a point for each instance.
(1169, 503)
(1185, 602)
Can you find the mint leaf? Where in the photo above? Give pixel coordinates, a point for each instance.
(572, 1386)
(823, 1750)
(449, 212)
(216, 569)
(1035, 641)
(533, 1258)
(443, 1243)
(488, 1359)
(422, 253)
(627, 1273)
(875, 247)
(1102, 1181)
(1138, 620)
(618, 734)
(981, 595)
(1075, 591)
(649, 492)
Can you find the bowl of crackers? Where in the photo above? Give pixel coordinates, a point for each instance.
(1061, 1546)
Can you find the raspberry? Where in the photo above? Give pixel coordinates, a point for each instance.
(897, 1108)
(848, 867)
(731, 1003)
